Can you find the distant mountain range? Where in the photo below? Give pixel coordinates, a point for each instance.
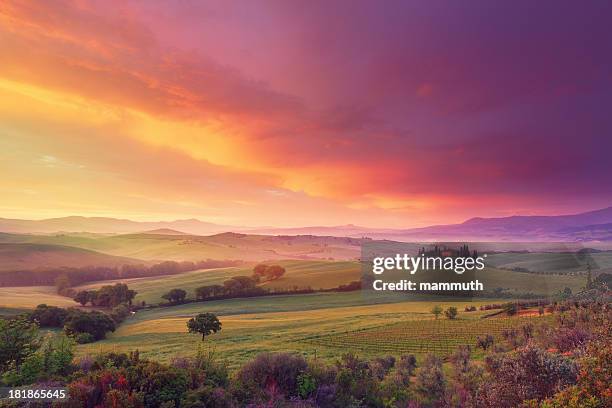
(106, 225)
(587, 226)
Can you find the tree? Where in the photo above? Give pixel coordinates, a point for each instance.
(265, 272)
(19, 338)
(451, 313)
(260, 270)
(205, 324)
(203, 292)
(275, 272)
(484, 342)
(175, 296)
(95, 323)
(436, 311)
(49, 316)
(239, 284)
(589, 282)
(83, 297)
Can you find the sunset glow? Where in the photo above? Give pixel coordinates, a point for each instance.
(303, 113)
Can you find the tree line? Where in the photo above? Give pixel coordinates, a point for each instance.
(237, 286)
(106, 296)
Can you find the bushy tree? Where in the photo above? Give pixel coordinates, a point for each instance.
(49, 316)
(175, 296)
(82, 297)
(52, 360)
(526, 374)
(436, 311)
(268, 272)
(204, 324)
(95, 323)
(451, 313)
(279, 371)
(19, 338)
(484, 342)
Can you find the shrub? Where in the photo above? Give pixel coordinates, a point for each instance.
(49, 316)
(566, 339)
(451, 313)
(407, 364)
(95, 323)
(84, 338)
(430, 379)
(278, 370)
(529, 373)
(484, 342)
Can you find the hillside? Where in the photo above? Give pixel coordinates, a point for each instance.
(39, 256)
(301, 274)
(162, 247)
(106, 225)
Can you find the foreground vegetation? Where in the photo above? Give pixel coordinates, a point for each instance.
(565, 362)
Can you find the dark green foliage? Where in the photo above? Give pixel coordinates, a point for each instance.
(49, 316)
(175, 296)
(119, 313)
(159, 383)
(52, 360)
(204, 324)
(106, 296)
(95, 323)
(112, 295)
(84, 296)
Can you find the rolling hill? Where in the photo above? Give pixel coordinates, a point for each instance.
(176, 247)
(26, 256)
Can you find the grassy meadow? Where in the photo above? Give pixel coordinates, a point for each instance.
(283, 323)
(300, 274)
(28, 297)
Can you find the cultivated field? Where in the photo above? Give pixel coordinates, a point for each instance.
(441, 336)
(28, 297)
(284, 323)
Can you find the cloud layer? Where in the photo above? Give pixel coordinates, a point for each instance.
(289, 113)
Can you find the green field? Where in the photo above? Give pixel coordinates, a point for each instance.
(279, 323)
(301, 274)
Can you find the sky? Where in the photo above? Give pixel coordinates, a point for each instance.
(294, 113)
